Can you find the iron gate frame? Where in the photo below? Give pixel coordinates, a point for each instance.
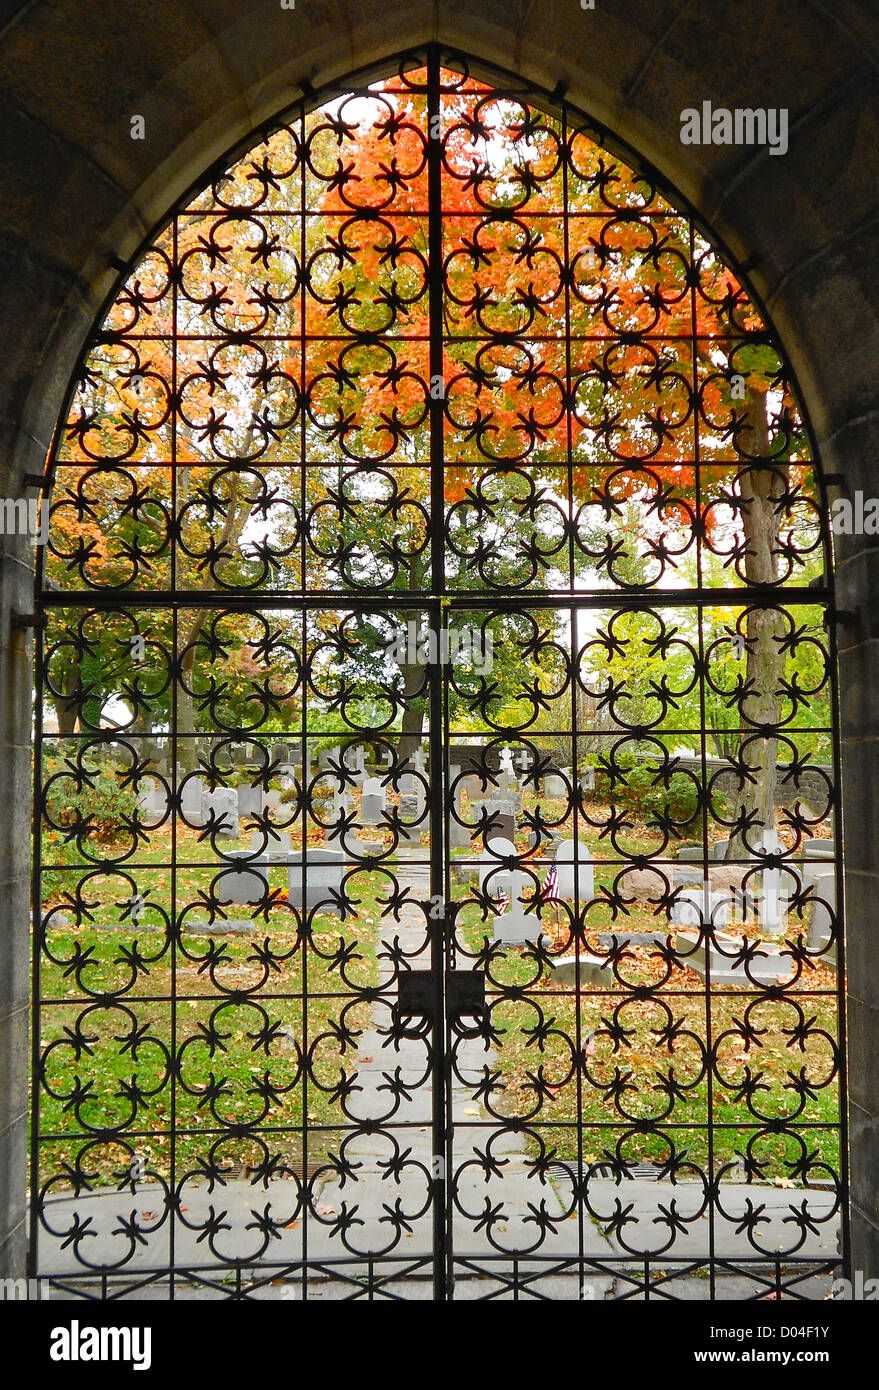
(441, 601)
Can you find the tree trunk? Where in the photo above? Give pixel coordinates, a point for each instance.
(413, 711)
(66, 706)
(186, 748)
(754, 809)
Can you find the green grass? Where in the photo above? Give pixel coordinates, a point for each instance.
(114, 1018)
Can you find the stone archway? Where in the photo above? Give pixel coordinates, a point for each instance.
(82, 193)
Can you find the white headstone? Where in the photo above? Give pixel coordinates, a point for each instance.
(241, 884)
(324, 871)
(516, 926)
(223, 801)
(272, 847)
(152, 801)
(459, 835)
(564, 859)
(327, 756)
(821, 878)
(192, 794)
(372, 802)
(251, 800)
(355, 762)
(494, 876)
(697, 907)
(774, 898)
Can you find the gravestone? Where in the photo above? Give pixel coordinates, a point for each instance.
(687, 873)
(494, 876)
(355, 762)
(508, 785)
(274, 847)
(695, 906)
(691, 854)
(769, 964)
(554, 786)
(304, 769)
(228, 926)
(324, 871)
(251, 800)
(241, 884)
(564, 861)
(223, 801)
(821, 879)
(502, 818)
(819, 849)
(773, 895)
(192, 795)
(475, 789)
(152, 801)
(372, 802)
(459, 835)
(411, 809)
(585, 970)
(506, 763)
(515, 926)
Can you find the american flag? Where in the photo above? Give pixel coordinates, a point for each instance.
(551, 885)
(502, 898)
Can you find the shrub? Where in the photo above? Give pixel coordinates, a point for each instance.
(106, 801)
(640, 786)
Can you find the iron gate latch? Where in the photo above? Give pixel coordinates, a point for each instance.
(416, 992)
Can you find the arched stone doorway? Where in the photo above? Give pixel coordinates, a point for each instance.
(424, 410)
(78, 197)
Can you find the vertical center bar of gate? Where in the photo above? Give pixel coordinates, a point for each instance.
(437, 923)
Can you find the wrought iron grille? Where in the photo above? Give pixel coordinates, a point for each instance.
(435, 753)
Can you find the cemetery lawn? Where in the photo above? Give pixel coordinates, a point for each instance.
(115, 1016)
(649, 1076)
